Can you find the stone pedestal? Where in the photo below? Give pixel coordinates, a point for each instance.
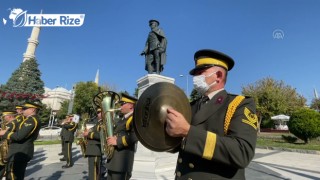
(154, 165)
(146, 81)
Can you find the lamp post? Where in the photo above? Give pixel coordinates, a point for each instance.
(187, 90)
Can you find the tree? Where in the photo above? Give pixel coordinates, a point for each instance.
(194, 95)
(273, 97)
(61, 114)
(84, 94)
(136, 92)
(44, 114)
(24, 84)
(315, 104)
(305, 124)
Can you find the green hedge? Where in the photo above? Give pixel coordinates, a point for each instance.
(305, 124)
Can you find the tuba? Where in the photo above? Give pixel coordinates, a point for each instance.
(82, 141)
(4, 146)
(107, 101)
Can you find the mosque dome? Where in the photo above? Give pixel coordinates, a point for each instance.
(55, 96)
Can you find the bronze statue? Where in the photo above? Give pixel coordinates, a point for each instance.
(155, 49)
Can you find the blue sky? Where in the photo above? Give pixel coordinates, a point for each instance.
(114, 34)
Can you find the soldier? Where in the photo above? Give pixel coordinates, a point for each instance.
(155, 49)
(64, 158)
(220, 141)
(7, 117)
(19, 115)
(93, 151)
(120, 165)
(68, 137)
(21, 146)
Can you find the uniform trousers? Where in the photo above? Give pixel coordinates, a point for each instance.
(2, 171)
(94, 167)
(113, 175)
(68, 152)
(15, 170)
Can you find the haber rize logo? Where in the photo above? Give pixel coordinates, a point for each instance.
(20, 18)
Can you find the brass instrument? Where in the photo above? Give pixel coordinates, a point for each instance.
(4, 146)
(82, 141)
(107, 100)
(150, 116)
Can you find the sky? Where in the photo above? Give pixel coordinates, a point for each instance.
(266, 38)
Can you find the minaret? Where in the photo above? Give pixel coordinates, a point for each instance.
(32, 44)
(96, 80)
(315, 93)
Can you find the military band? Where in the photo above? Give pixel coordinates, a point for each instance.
(121, 164)
(93, 149)
(69, 128)
(21, 146)
(7, 123)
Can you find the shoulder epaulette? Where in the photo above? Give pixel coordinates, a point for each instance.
(230, 111)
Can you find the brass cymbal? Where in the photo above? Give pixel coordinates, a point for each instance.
(150, 113)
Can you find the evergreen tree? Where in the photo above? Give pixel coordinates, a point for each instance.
(25, 84)
(194, 95)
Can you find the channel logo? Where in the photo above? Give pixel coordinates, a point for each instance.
(21, 18)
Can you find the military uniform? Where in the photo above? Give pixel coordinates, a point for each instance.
(19, 117)
(9, 127)
(121, 164)
(222, 137)
(209, 153)
(21, 147)
(68, 138)
(62, 132)
(93, 152)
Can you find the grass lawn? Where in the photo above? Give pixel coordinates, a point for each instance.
(264, 140)
(276, 140)
(47, 142)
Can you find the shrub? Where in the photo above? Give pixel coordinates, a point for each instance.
(268, 123)
(305, 124)
(289, 139)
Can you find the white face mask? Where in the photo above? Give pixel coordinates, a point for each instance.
(200, 85)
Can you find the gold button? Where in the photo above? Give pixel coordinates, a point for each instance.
(180, 160)
(178, 173)
(191, 165)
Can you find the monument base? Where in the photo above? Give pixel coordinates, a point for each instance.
(150, 79)
(153, 165)
(157, 164)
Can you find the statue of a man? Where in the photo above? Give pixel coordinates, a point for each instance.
(155, 49)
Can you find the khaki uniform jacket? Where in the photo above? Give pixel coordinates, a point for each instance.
(69, 130)
(93, 139)
(123, 157)
(207, 152)
(18, 120)
(22, 138)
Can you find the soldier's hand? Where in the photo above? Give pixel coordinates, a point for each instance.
(2, 132)
(112, 140)
(85, 133)
(177, 125)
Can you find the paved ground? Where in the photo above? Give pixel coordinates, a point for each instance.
(267, 165)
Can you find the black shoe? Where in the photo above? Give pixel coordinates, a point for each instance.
(60, 154)
(63, 159)
(66, 166)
